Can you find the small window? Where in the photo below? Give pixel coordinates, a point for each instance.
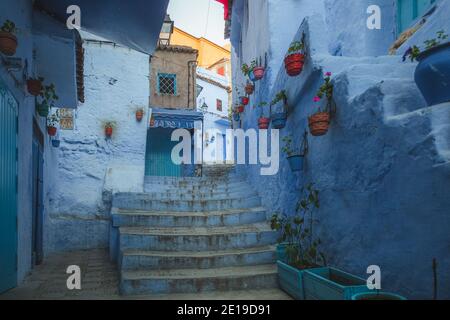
(221, 71)
(167, 84)
(219, 105)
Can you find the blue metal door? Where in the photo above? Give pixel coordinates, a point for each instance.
(158, 160)
(410, 10)
(8, 190)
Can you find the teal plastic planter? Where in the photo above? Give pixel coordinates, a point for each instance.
(331, 284)
(251, 76)
(296, 163)
(290, 280)
(377, 296)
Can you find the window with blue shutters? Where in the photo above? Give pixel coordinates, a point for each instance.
(409, 11)
(167, 84)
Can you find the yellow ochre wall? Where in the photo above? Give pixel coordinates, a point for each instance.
(208, 52)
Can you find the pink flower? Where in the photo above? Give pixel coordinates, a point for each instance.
(316, 99)
(328, 74)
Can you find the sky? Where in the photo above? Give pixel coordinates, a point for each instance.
(201, 18)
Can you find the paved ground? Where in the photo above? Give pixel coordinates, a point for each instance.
(99, 280)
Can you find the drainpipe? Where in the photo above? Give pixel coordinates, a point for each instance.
(190, 64)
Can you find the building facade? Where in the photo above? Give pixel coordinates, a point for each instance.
(383, 167)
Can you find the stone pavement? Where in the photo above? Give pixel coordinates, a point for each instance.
(99, 281)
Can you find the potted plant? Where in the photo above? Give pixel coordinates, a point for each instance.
(263, 122)
(139, 114)
(236, 116)
(52, 122)
(8, 41)
(56, 143)
(109, 128)
(377, 295)
(432, 75)
(47, 100)
(279, 104)
(295, 58)
(295, 157)
(258, 70)
(249, 88)
(298, 248)
(247, 70)
(34, 86)
(244, 100)
(319, 122)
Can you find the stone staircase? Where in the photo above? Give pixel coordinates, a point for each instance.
(192, 235)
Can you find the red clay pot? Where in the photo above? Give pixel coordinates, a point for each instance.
(263, 123)
(249, 88)
(258, 73)
(294, 64)
(51, 131)
(108, 131)
(319, 123)
(245, 100)
(240, 109)
(34, 87)
(139, 115)
(8, 43)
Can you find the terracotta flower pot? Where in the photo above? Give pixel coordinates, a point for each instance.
(245, 100)
(294, 64)
(8, 43)
(108, 131)
(139, 115)
(258, 73)
(263, 123)
(319, 123)
(240, 109)
(51, 131)
(34, 87)
(249, 88)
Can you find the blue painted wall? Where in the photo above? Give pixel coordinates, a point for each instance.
(382, 170)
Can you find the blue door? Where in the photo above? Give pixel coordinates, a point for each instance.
(158, 160)
(410, 10)
(8, 190)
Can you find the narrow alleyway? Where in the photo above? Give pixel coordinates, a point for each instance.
(100, 281)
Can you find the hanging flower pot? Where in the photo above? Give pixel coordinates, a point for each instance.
(258, 73)
(251, 76)
(42, 109)
(51, 131)
(279, 120)
(296, 162)
(319, 123)
(236, 116)
(249, 88)
(139, 115)
(8, 41)
(295, 59)
(56, 143)
(240, 109)
(245, 100)
(34, 86)
(263, 122)
(108, 130)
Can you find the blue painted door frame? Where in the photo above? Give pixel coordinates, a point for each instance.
(8, 189)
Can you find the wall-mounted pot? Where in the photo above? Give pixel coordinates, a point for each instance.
(139, 115)
(34, 87)
(51, 131)
(8, 43)
(279, 120)
(263, 122)
(432, 75)
(319, 123)
(296, 162)
(294, 64)
(259, 73)
(245, 100)
(240, 109)
(249, 88)
(236, 116)
(42, 109)
(56, 143)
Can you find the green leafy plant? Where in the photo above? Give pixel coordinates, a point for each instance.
(262, 105)
(413, 52)
(48, 95)
(302, 247)
(325, 91)
(296, 46)
(287, 148)
(246, 69)
(280, 96)
(8, 26)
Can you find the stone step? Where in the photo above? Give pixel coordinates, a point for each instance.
(201, 195)
(198, 280)
(133, 218)
(143, 201)
(198, 187)
(241, 189)
(175, 181)
(196, 238)
(149, 260)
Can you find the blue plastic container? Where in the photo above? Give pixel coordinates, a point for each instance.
(432, 75)
(56, 143)
(377, 295)
(331, 284)
(296, 162)
(278, 120)
(236, 117)
(251, 76)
